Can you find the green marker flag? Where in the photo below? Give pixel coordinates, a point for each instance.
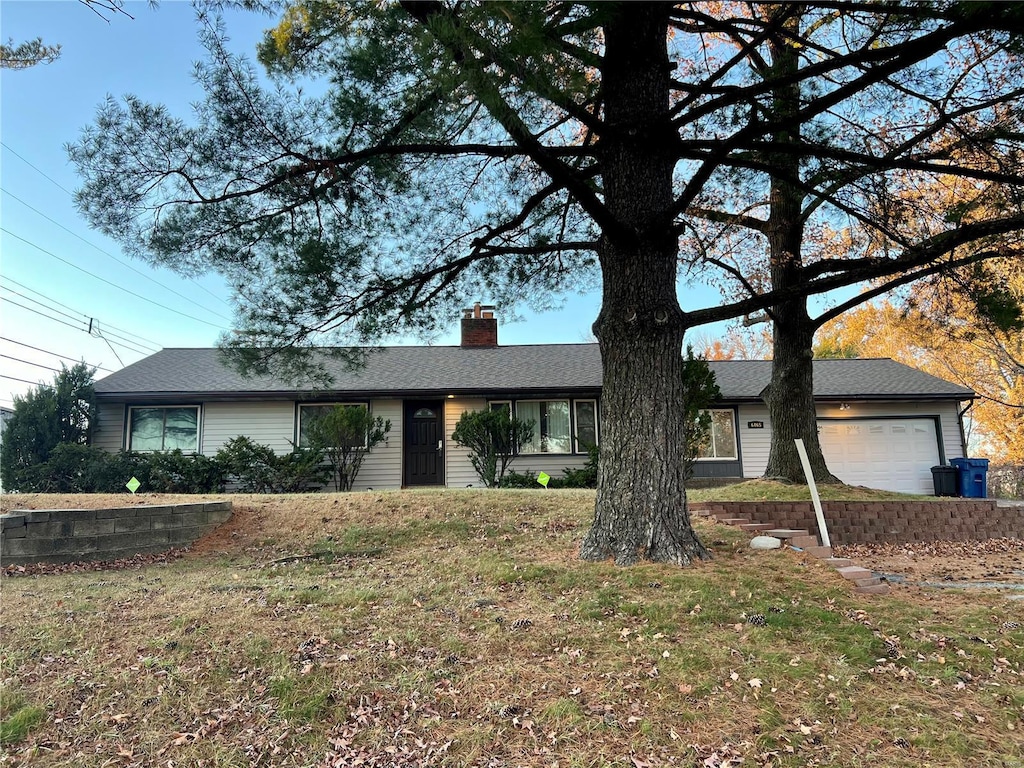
(543, 478)
(133, 484)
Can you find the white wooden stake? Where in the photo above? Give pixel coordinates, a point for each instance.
(818, 513)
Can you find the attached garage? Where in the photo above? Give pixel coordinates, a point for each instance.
(890, 454)
(881, 424)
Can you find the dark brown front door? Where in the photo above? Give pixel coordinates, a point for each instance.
(424, 447)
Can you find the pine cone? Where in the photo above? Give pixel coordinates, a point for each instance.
(892, 647)
(510, 710)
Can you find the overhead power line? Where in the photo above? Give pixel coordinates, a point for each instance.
(141, 339)
(29, 362)
(55, 354)
(41, 304)
(48, 317)
(71, 194)
(100, 331)
(26, 381)
(120, 261)
(26, 162)
(112, 284)
(85, 327)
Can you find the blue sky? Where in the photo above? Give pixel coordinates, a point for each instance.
(58, 278)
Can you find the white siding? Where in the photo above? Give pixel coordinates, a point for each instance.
(755, 443)
(554, 465)
(458, 471)
(382, 468)
(109, 434)
(267, 423)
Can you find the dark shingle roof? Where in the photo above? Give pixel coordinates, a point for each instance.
(867, 378)
(537, 368)
(395, 370)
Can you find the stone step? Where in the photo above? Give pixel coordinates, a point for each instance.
(869, 582)
(733, 520)
(837, 562)
(785, 533)
(874, 589)
(755, 527)
(854, 572)
(803, 541)
(819, 552)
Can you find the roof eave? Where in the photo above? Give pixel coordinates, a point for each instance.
(306, 394)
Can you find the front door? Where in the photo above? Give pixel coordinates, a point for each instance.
(424, 442)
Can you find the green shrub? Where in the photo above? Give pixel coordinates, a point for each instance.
(345, 434)
(248, 465)
(177, 472)
(72, 468)
(585, 476)
(493, 438)
(255, 468)
(78, 468)
(528, 480)
(701, 392)
(301, 470)
(43, 419)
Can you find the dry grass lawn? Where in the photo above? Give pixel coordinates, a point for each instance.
(458, 628)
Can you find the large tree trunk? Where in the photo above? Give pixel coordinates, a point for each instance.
(790, 395)
(640, 511)
(790, 398)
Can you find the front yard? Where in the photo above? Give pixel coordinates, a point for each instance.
(459, 628)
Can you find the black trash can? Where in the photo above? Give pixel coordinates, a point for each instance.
(944, 479)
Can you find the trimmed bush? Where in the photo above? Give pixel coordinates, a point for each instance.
(493, 438)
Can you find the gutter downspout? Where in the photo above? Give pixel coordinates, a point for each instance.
(960, 421)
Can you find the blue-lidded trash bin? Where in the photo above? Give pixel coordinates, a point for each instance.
(973, 477)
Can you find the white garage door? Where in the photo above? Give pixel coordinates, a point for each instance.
(889, 454)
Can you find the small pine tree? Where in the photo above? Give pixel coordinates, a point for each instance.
(64, 412)
(493, 438)
(701, 393)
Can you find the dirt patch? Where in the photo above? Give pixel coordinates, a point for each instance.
(994, 560)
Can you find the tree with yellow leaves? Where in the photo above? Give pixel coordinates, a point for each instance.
(966, 327)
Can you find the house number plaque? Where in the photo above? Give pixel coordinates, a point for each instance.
(755, 425)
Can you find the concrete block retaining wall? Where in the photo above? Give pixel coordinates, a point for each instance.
(77, 535)
(894, 522)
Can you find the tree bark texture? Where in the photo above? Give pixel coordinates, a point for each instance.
(790, 398)
(790, 395)
(641, 511)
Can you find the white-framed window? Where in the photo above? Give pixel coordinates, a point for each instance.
(721, 439)
(310, 411)
(551, 427)
(559, 426)
(586, 425)
(163, 428)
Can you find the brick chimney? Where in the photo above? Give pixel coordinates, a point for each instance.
(479, 327)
